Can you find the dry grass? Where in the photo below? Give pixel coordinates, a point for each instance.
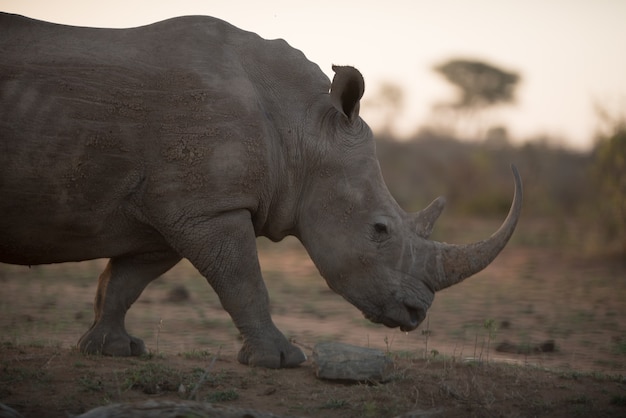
(48, 381)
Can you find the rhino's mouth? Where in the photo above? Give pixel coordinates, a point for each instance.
(416, 316)
(394, 310)
(406, 317)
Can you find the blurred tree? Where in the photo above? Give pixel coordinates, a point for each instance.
(480, 86)
(610, 176)
(497, 137)
(388, 101)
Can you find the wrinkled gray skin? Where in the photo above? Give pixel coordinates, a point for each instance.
(190, 138)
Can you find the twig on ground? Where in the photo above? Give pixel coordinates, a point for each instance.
(194, 391)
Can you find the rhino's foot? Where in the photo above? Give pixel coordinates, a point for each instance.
(118, 344)
(272, 354)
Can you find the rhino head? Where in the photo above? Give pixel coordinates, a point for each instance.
(369, 250)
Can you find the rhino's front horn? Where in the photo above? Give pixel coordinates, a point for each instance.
(457, 262)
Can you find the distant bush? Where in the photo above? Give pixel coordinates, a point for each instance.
(582, 196)
(476, 177)
(609, 176)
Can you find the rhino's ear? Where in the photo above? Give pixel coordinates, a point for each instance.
(346, 91)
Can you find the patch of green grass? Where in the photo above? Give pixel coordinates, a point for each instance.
(203, 339)
(619, 400)
(152, 378)
(543, 407)
(314, 310)
(602, 377)
(609, 364)
(21, 374)
(196, 354)
(217, 378)
(580, 400)
(610, 325)
(91, 383)
(581, 411)
(223, 396)
(335, 404)
(371, 409)
(456, 333)
(151, 355)
(620, 347)
(560, 332)
(359, 321)
(40, 343)
(405, 354)
(581, 317)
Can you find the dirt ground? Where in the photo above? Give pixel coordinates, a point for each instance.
(540, 332)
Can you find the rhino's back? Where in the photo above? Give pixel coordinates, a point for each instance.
(80, 67)
(226, 60)
(89, 117)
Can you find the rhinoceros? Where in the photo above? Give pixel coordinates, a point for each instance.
(190, 138)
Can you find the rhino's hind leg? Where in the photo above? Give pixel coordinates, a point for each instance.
(111, 343)
(120, 284)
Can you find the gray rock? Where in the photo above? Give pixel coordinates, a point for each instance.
(337, 361)
(8, 412)
(171, 409)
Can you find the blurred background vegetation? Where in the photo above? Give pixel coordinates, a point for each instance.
(464, 153)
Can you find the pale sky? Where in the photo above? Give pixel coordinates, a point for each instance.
(571, 54)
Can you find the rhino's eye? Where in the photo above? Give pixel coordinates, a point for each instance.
(380, 232)
(380, 228)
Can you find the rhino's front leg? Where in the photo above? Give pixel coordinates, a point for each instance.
(119, 286)
(227, 256)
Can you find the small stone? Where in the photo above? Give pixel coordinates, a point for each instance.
(267, 392)
(507, 347)
(178, 294)
(337, 361)
(158, 408)
(8, 412)
(547, 346)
